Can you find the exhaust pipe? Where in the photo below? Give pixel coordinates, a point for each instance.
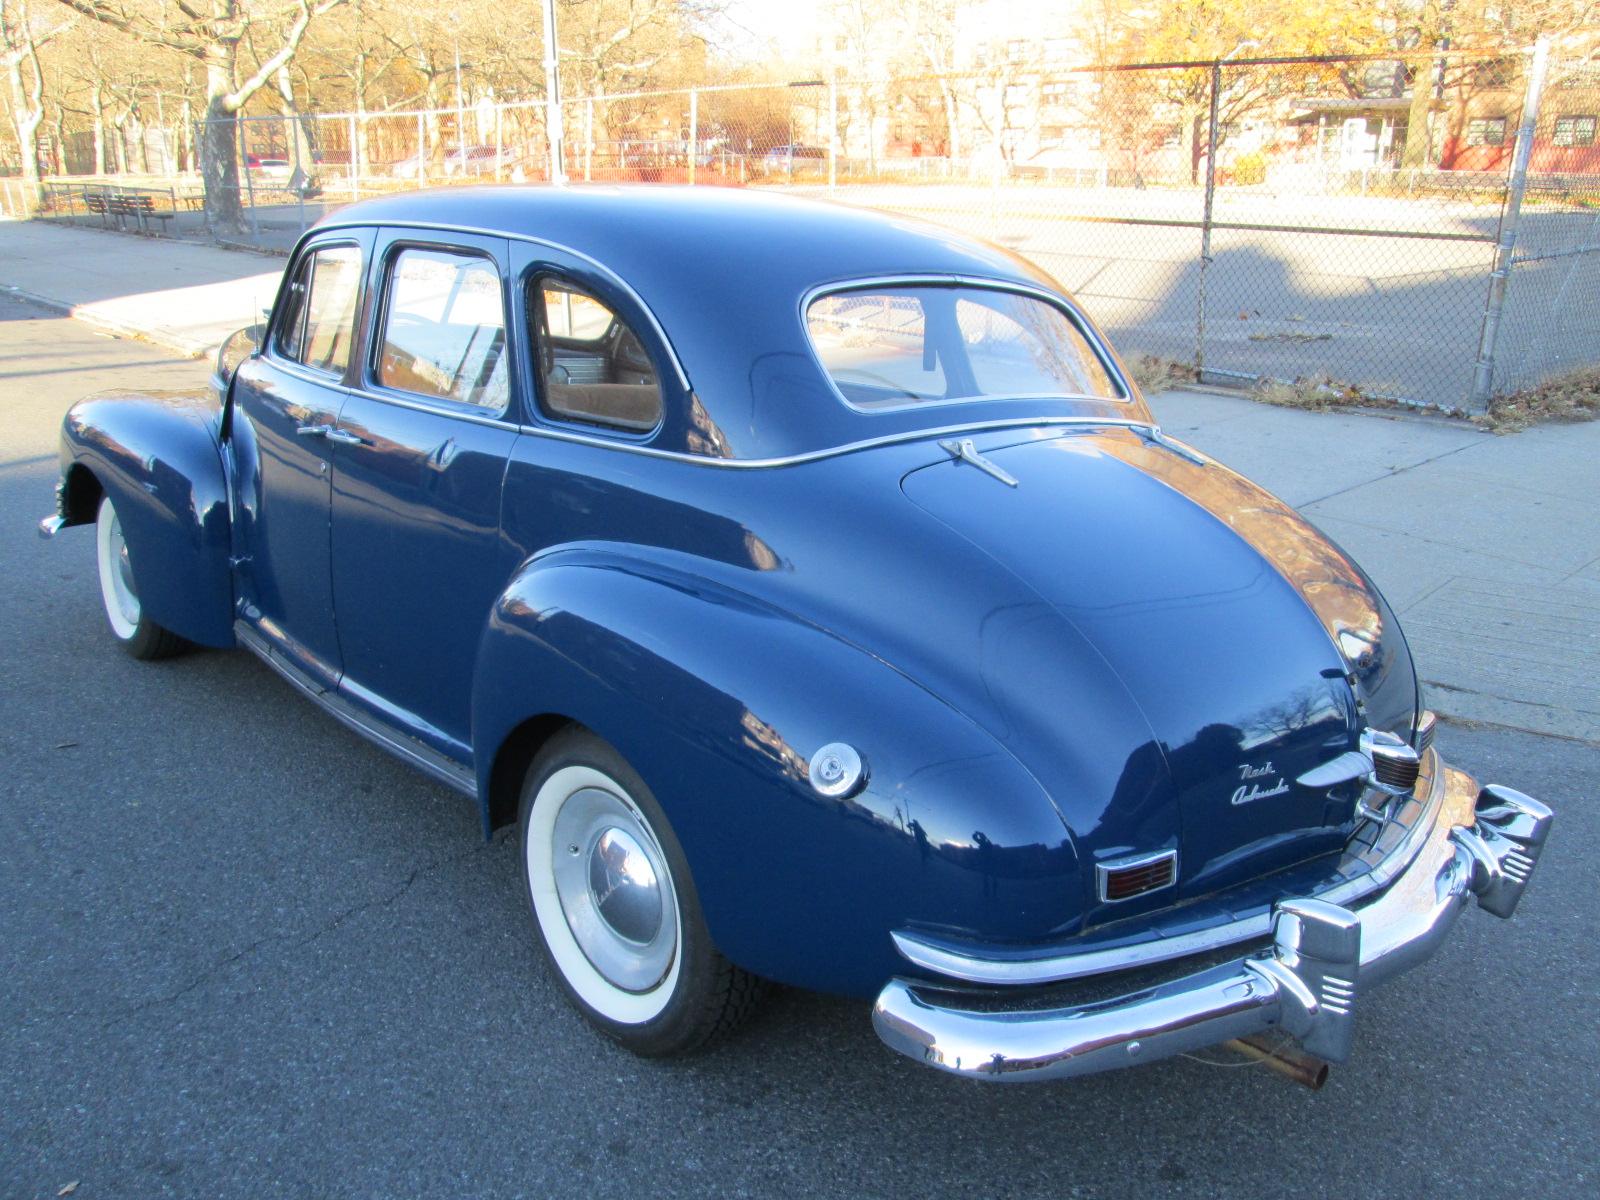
(1284, 1057)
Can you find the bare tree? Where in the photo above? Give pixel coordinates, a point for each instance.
(213, 35)
(20, 39)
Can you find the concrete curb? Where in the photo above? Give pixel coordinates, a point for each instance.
(188, 347)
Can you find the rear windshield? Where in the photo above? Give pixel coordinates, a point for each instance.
(896, 347)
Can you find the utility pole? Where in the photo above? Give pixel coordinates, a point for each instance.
(552, 93)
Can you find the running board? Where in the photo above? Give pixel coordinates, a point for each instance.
(404, 747)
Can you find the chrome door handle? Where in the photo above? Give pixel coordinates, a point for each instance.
(332, 433)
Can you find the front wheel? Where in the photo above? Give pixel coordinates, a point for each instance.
(615, 905)
(139, 635)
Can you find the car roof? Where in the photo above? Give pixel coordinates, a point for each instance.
(724, 271)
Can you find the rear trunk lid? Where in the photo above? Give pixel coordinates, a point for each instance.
(1217, 608)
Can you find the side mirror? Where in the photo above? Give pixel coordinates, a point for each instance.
(238, 347)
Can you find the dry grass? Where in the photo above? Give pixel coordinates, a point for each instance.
(1315, 394)
(1574, 396)
(1153, 374)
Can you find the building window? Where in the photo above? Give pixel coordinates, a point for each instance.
(1060, 91)
(1575, 131)
(1486, 131)
(1016, 48)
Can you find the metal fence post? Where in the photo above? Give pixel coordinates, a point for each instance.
(588, 140)
(694, 131)
(833, 134)
(1205, 223)
(552, 96)
(1505, 250)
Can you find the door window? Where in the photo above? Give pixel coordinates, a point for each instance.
(594, 369)
(444, 332)
(321, 322)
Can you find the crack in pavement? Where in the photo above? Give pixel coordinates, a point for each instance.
(1389, 474)
(294, 940)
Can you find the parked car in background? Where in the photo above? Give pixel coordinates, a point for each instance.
(795, 160)
(815, 592)
(473, 160)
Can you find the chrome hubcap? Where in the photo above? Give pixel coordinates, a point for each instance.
(615, 890)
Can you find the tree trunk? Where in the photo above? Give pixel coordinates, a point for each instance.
(97, 106)
(1415, 154)
(219, 166)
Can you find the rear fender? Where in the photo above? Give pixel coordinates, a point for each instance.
(719, 701)
(159, 457)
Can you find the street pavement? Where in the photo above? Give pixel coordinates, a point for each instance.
(244, 953)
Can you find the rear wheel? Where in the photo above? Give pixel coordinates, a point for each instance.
(615, 906)
(139, 635)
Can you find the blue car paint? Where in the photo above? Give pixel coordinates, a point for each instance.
(1039, 679)
(156, 455)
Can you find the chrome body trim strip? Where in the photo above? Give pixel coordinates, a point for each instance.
(408, 750)
(1079, 964)
(794, 460)
(1307, 984)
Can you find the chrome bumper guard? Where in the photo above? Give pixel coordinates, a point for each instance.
(1307, 984)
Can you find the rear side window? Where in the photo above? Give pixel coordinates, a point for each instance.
(890, 348)
(444, 333)
(321, 323)
(592, 367)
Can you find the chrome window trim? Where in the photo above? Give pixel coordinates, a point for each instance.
(270, 348)
(1078, 965)
(1080, 322)
(539, 409)
(1103, 872)
(456, 410)
(683, 378)
(529, 239)
(371, 383)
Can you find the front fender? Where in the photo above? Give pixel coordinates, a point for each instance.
(158, 456)
(719, 701)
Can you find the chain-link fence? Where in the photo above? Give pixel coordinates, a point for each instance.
(1425, 229)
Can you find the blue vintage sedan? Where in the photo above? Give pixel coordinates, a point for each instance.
(816, 593)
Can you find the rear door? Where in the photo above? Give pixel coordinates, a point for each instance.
(285, 400)
(421, 455)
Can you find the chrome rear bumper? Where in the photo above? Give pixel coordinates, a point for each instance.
(1483, 844)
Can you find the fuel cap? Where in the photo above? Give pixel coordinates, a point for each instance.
(837, 771)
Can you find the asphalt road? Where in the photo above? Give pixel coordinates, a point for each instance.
(243, 953)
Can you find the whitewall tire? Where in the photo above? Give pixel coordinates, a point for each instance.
(119, 594)
(614, 904)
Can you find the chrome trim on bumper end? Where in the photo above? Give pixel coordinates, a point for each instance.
(50, 526)
(1322, 957)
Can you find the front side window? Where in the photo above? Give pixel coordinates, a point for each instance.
(320, 325)
(896, 347)
(593, 367)
(444, 333)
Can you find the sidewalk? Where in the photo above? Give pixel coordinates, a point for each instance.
(176, 294)
(1487, 547)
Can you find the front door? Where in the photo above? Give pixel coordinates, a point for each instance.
(421, 455)
(285, 401)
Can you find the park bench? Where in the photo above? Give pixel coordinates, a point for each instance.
(123, 206)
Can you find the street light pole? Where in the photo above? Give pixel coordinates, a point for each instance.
(552, 92)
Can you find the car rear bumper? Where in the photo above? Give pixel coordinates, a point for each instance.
(1483, 844)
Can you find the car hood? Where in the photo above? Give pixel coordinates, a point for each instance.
(1182, 646)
